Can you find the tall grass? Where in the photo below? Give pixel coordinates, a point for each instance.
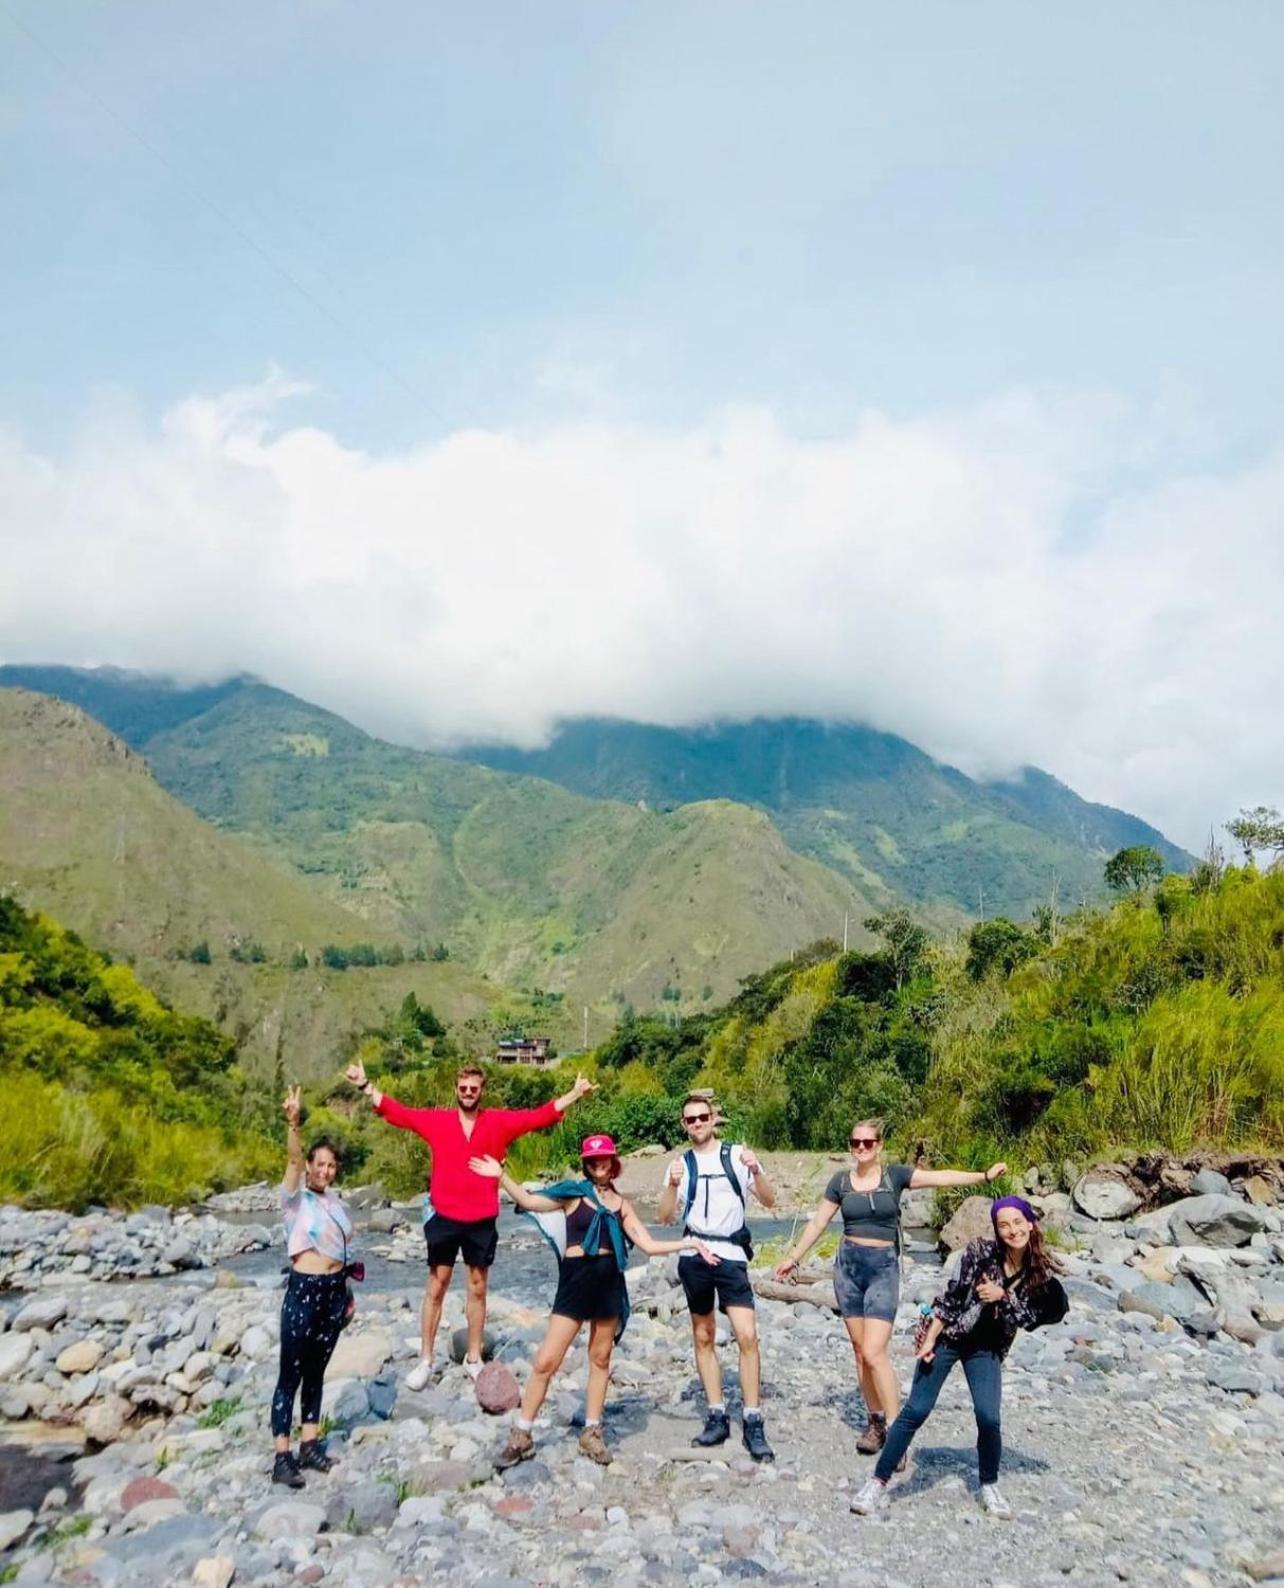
(68, 1149)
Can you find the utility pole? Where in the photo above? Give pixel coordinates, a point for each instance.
(1052, 905)
(980, 894)
(846, 915)
(585, 1028)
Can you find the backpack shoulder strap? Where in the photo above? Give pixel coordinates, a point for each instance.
(728, 1168)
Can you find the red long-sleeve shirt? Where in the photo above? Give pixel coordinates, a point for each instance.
(456, 1190)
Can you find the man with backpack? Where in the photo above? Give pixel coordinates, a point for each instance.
(707, 1188)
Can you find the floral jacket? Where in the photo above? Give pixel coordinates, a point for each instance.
(960, 1309)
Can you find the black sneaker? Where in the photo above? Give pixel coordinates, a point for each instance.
(285, 1469)
(755, 1438)
(313, 1457)
(716, 1430)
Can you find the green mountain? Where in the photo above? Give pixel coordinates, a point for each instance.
(580, 902)
(88, 835)
(868, 804)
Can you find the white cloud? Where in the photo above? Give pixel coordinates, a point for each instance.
(979, 581)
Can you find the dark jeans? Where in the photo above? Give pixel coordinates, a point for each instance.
(311, 1318)
(984, 1371)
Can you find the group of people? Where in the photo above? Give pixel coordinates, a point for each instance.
(1002, 1284)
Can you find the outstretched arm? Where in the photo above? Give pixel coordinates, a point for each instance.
(355, 1074)
(815, 1229)
(583, 1086)
(642, 1238)
(291, 1107)
(922, 1179)
(528, 1201)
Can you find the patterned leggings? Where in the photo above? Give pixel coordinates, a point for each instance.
(311, 1317)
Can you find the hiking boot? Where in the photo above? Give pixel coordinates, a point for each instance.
(313, 1456)
(716, 1430)
(871, 1499)
(993, 1503)
(755, 1438)
(875, 1435)
(594, 1446)
(520, 1447)
(285, 1469)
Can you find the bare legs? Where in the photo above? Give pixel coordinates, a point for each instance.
(870, 1338)
(551, 1354)
(744, 1325)
(439, 1276)
(476, 1311)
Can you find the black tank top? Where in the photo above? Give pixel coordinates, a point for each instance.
(578, 1221)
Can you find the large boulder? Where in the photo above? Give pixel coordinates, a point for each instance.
(1215, 1221)
(15, 1352)
(290, 1519)
(497, 1389)
(360, 1355)
(918, 1209)
(459, 1345)
(970, 1222)
(1233, 1294)
(1180, 1300)
(1104, 1193)
(1208, 1183)
(41, 1312)
(104, 1421)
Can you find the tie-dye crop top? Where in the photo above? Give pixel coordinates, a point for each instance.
(317, 1221)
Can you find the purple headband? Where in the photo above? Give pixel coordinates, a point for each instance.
(1019, 1203)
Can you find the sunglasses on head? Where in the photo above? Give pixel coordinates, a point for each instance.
(695, 1119)
(863, 1141)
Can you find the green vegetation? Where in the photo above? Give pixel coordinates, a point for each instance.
(218, 1412)
(110, 1095)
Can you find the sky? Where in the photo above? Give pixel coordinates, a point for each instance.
(466, 368)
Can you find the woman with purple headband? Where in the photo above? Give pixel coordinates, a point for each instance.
(1002, 1285)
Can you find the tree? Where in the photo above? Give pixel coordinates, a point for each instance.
(1259, 828)
(907, 942)
(998, 942)
(1135, 868)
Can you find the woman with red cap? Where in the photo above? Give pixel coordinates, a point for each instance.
(591, 1227)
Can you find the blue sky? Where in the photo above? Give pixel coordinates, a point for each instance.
(916, 364)
(496, 210)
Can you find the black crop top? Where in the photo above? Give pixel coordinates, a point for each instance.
(578, 1221)
(872, 1214)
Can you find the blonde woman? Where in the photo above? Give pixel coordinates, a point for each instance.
(866, 1272)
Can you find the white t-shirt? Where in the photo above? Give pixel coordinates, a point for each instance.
(717, 1210)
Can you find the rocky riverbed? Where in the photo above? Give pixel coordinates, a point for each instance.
(1143, 1435)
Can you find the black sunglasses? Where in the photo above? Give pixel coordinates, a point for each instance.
(695, 1119)
(862, 1141)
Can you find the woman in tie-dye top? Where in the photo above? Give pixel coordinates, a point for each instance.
(318, 1235)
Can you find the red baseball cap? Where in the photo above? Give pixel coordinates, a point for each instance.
(599, 1147)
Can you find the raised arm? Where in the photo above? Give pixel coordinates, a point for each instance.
(355, 1074)
(583, 1086)
(642, 1238)
(923, 1179)
(761, 1187)
(825, 1211)
(667, 1212)
(291, 1108)
(528, 1201)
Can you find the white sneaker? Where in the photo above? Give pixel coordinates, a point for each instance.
(993, 1503)
(471, 1367)
(871, 1499)
(420, 1375)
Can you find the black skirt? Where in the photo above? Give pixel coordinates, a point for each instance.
(589, 1289)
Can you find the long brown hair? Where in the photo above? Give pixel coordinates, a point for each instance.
(1041, 1262)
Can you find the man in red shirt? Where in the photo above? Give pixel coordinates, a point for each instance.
(465, 1206)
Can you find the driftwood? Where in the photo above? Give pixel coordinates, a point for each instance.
(816, 1295)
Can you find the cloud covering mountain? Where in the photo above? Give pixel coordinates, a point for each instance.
(1030, 579)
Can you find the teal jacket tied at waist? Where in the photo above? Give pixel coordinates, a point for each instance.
(552, 1226)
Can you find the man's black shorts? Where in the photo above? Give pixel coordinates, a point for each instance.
(447, 1238)
(727, 1284)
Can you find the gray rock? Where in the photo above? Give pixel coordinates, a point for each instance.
(381, 1393)
(41, 1312)
(1234, 1378)
(348, 1403)
(362, 1507)
(459, 1345)
(15, 1353)
(1215, 1221)
(1180, 1300)
(13, 1524)
(290, 1519)
(1105, 1194)
(970, 1221)
(1209, 1183)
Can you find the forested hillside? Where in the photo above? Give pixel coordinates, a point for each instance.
(110, 1096)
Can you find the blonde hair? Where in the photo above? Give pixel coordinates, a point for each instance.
(876, 1125)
